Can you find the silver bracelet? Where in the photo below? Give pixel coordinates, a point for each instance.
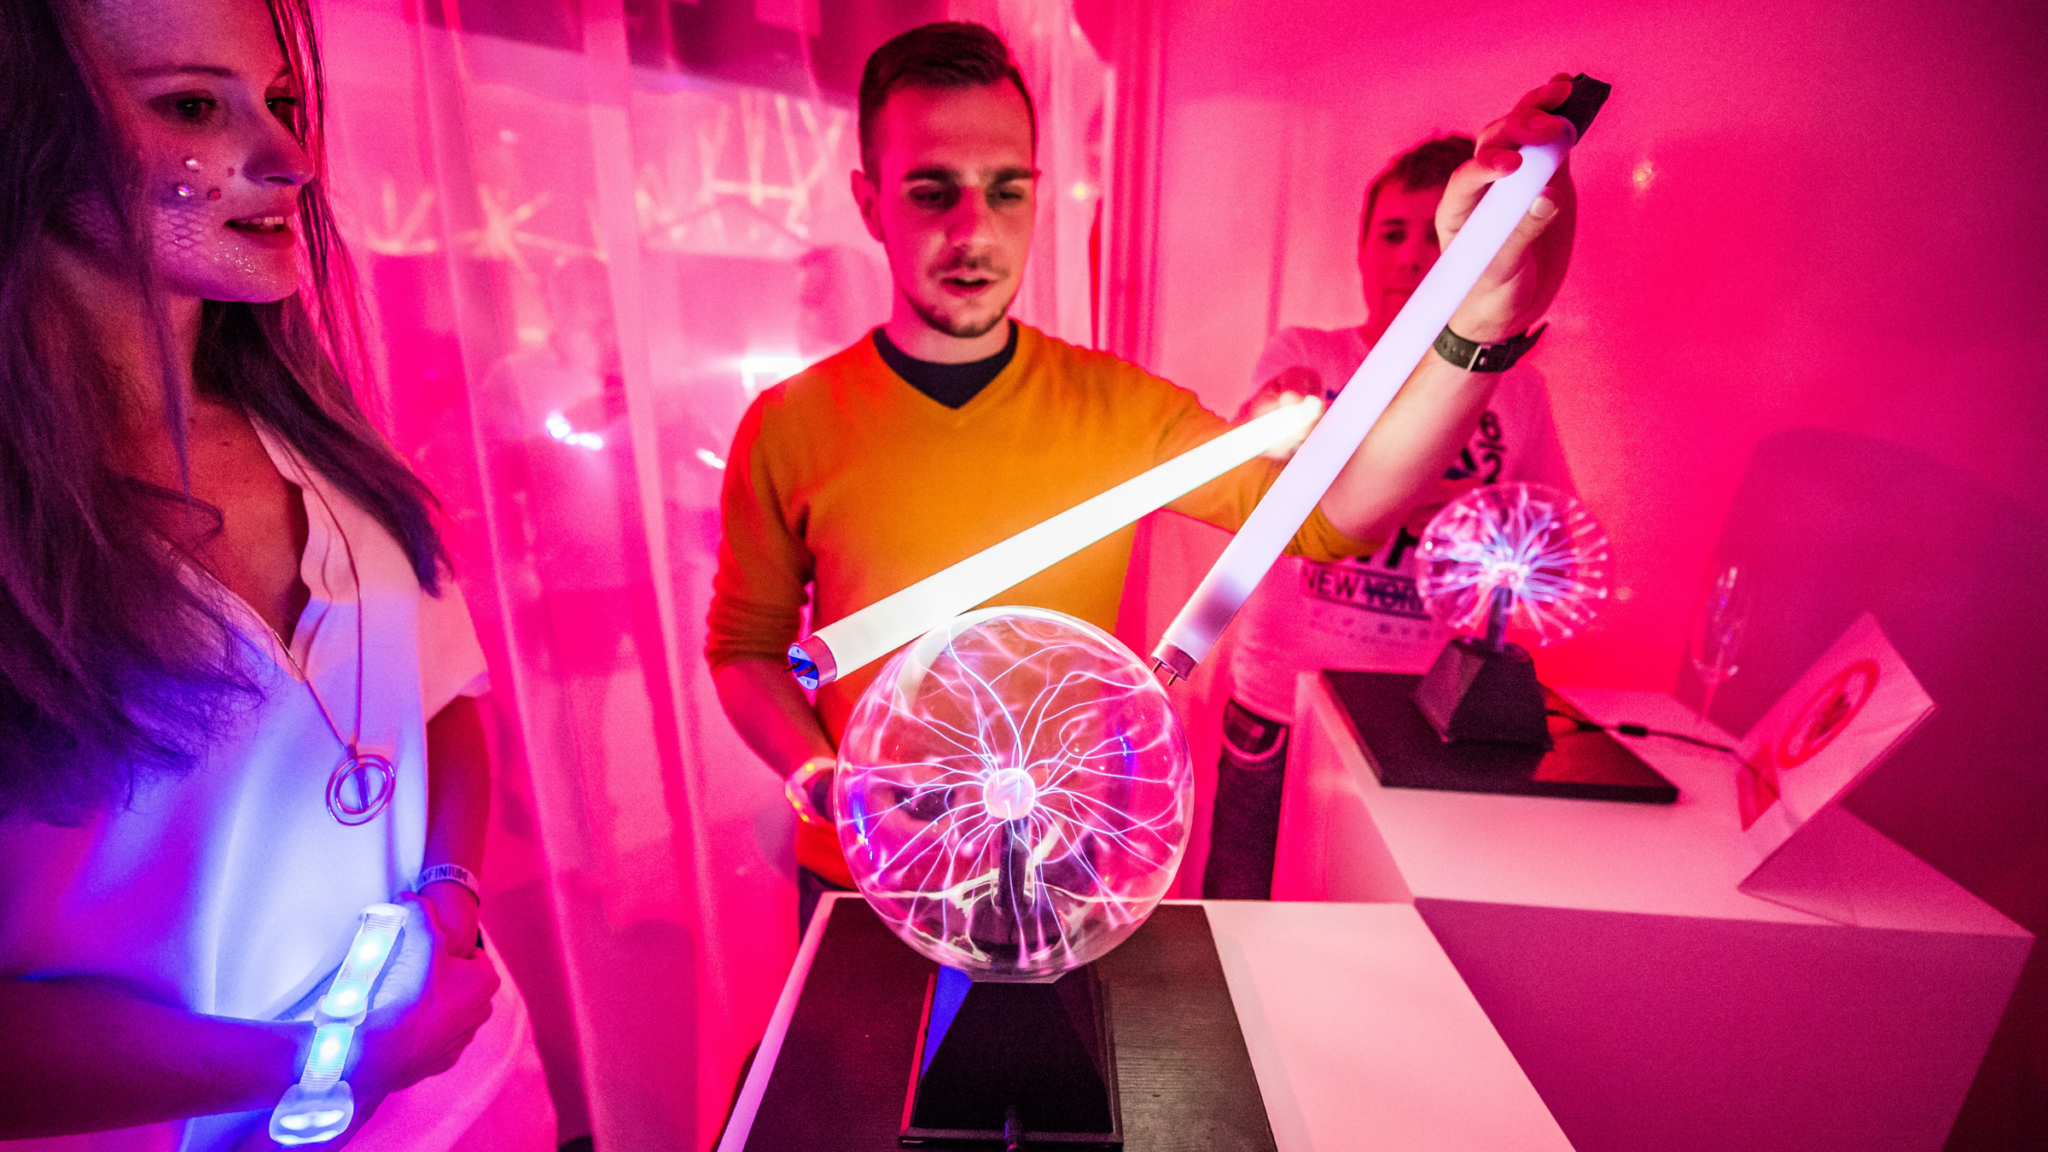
(797, 788)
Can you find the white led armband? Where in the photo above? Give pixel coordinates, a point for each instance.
(320, 1106)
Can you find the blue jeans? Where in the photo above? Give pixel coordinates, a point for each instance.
(1247, 824)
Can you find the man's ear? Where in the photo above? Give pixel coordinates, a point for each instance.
(868, 197)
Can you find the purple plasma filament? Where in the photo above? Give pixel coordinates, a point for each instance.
(1015, 793)
(1534, 544)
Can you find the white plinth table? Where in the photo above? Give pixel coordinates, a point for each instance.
(1361, 1033)
(1652, 1004)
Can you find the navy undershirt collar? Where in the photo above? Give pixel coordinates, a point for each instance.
(950, 384)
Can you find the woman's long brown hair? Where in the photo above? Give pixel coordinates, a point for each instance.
(112, 668)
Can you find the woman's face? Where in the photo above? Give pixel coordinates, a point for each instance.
(208, 100)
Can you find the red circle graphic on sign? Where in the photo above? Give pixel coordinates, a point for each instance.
(1828, 713)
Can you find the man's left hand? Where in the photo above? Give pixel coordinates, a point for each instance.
(1523, 279)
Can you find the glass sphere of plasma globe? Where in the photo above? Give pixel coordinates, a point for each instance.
(1014, 793)
(1537, 543)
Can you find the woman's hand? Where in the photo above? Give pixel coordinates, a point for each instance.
(427, 1008)
(455, 907)
(1525, 276)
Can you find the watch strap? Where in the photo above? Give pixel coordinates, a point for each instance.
(1473, 356)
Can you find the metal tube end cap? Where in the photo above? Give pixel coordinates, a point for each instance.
(810, 661)
(1176, 663)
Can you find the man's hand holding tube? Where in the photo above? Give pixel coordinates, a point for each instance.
(1435, 410)
(1524, 278)
(1296, 385)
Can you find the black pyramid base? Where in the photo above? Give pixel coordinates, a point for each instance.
(996, 1062)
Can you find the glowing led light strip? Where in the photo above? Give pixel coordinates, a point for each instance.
(319, 1107)
(895, 620)
(1407, 340)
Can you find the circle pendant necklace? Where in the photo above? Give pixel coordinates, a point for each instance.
(361, 786)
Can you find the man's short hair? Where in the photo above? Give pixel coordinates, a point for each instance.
(1427, 165)
(948, 54)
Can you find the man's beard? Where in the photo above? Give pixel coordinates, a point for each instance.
(955, 328)
(959, 329)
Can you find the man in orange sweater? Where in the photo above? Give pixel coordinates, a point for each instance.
(952, 427)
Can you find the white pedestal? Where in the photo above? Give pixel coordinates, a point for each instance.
(1652, 1003)
(1362, 1035)
(1365, 1038)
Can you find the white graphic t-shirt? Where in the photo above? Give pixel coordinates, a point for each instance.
(1366, 613)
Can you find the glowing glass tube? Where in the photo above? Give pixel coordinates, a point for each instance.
(895, 620)
(319, 1107)
(1407, 340)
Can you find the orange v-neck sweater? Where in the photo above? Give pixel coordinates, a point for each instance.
(847, 479)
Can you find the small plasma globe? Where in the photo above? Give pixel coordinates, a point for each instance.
(1014, 794)
(1521, 558)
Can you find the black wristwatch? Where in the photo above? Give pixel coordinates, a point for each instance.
(1476, 357)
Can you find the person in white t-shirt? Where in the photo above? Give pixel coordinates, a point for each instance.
(237, 680)
(1364, 613)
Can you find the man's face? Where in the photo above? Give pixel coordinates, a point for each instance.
(1399, 247)
(952, 198)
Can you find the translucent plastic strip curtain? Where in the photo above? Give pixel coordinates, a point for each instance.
(591, 234)
(722, 1024)
(1131, 34)
(1069, 82)
(455, 255)
(557, 853)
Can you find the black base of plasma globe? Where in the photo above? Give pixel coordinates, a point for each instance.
(1476, 691)
(1009, 1064)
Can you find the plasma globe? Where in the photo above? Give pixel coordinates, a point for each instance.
(1538, 545)
(1014, 793)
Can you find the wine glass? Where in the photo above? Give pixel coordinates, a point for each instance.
(1716, 642)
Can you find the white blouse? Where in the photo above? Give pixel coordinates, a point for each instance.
(231, 890)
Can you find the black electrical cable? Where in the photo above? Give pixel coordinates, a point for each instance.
(1013, 1130)
(1585, 725)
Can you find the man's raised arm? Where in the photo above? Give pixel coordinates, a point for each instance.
(1438, 405)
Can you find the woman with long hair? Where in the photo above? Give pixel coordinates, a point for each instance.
(236, 679)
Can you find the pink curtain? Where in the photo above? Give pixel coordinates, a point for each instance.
(590, 233)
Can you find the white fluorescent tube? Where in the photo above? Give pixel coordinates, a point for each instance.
(1407, 340)
(897, 619)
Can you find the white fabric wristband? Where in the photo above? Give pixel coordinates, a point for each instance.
(455, 873)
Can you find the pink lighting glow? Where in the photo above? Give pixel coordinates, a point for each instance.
(1807, 247)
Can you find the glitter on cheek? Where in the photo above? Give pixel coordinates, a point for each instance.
(198, 255)
(179, 228)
